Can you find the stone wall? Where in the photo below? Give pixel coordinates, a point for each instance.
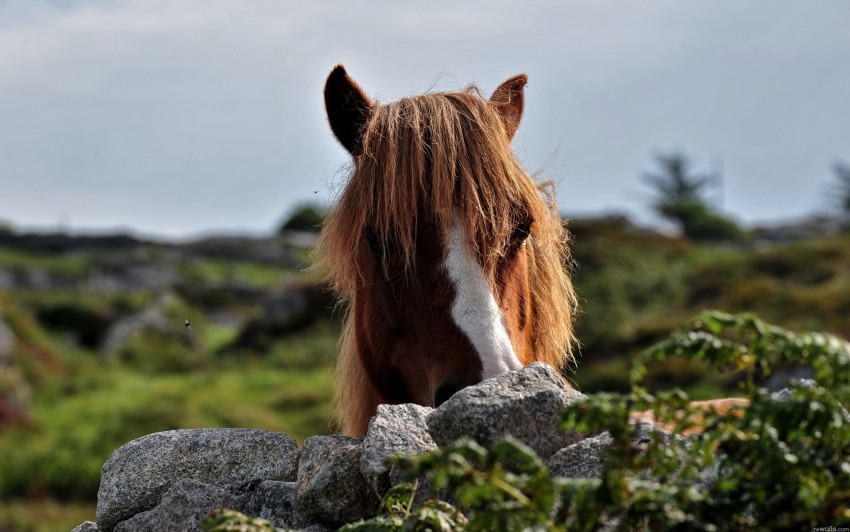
(172, 480)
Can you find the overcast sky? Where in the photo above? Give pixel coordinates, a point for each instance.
(175, 118)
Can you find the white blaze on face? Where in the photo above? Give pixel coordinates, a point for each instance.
(475, 310)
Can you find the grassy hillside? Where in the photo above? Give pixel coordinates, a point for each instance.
(101, 352)
(637, 286)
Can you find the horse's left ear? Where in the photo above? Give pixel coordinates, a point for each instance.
(348, 108)
(508, 99)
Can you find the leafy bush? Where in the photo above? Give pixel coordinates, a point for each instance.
(780, 463)
(505, 488)
(305, 217)
(700, 223)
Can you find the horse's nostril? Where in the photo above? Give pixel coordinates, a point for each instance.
(444, 391)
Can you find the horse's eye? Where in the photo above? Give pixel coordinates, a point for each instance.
(521, 233)
(373, 238)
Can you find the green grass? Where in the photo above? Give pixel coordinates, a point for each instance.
(67, 265)
(61, 450)
(635, 288)
(216, 336)
(224, 271)
(84, 404)
(43, 515)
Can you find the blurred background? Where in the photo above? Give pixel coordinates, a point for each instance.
(165, 165)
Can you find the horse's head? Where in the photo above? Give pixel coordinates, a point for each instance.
(452, 263)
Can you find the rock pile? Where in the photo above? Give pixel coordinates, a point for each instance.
(172, 480)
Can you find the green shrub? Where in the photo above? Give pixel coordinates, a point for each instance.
(305, 217)
(700, 223)
(781, 464)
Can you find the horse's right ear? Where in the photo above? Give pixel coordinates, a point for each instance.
(508, 99)
(348, 109)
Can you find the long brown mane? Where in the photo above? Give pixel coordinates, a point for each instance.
(445, 155)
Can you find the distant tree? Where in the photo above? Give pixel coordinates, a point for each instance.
(674, 182)
(841, 190)
(681, 199)
(305, 217)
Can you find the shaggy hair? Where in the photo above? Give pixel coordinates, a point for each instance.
(445, 155)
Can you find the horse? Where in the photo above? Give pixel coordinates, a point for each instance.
(452, 261)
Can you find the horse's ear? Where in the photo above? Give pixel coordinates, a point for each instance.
(508, 99)
(348, 109)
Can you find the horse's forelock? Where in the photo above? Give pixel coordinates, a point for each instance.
(436, 155)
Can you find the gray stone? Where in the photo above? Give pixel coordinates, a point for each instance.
(182, 509)
(87, 526)
(138, 474)
(395, 430)
(781, 377)
(526, 404)
(646, 432)
(584, 459)
(785, 393)
(271, 500)
(331, 487)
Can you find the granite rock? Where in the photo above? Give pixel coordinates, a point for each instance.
(526, 404)
(395, 430)
(584, 459)
(139, 473)
(271, 500)
(87, 526)
(331, 489)
(182, 509)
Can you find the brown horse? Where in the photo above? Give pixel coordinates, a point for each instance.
(451, 259)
